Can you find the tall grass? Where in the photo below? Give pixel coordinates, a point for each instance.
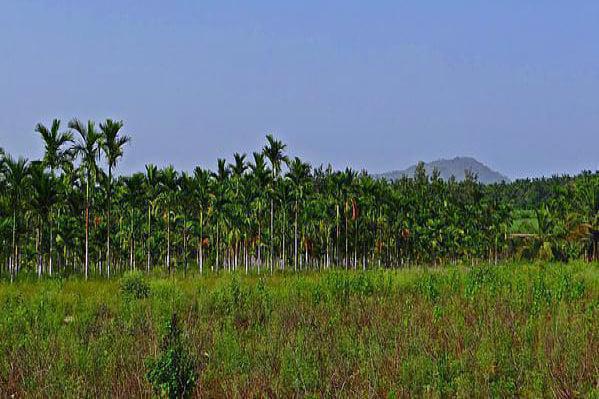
(527, 330)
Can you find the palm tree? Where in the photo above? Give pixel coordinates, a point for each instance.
(201, 195)
(16, 174)
(132, 195)
(88, 149)
(219, 202)
(299, 173)
(348, 186)
(273, 150)
(283, 194)
(151, 185)
(55, 156)
(113, 144)
(407, 221)
(186, 198)
(170, 183)
(238, 168)
(55, 153)
(70, 205)
(44, 195)
(4, 221)
(259, 180)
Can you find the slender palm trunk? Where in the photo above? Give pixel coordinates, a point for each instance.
(356, 244)
(108, 232)
(245, 257)
(236, 255)
(305, 264)
(259, 244)
(215, 267)
(59, 259)
(168, 241)
(41, 266)
(131, 249)
(39, 250)
(496, 239)
(346, 244)
(13, 261)
(149, 237)
(201, 263)
(185, 243)
(328, 249)
(51, 249)
(272, 236)
(87, 228)
(283, 240)
(198, 254)
(295, 240)
(337, 239)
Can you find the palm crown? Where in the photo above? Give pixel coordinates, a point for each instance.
(56, 155)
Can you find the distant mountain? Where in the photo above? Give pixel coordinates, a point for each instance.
(452, 167)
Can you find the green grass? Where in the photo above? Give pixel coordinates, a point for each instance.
(512, 330)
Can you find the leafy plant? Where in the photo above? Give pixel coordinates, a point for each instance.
(173, 374)
(134, 285)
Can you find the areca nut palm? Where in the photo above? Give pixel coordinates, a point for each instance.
(55, 153)
(113, 144)
(16, 174)
(87, 148)
(273, 150)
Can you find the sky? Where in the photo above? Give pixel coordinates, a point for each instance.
(375, 85)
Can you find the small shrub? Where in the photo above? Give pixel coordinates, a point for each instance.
(173, 373)
(134, 285)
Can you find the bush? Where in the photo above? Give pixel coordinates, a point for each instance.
(134, 285)
(173, 373)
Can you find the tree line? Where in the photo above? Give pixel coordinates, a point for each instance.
(68, 213)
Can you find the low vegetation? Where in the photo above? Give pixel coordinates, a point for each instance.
(528, 330)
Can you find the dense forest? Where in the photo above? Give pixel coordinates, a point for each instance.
(69, 213)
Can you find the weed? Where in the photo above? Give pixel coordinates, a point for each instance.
(173, 373)
(133, 285)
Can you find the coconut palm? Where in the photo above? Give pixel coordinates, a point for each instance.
(113, 144)
(87, 148)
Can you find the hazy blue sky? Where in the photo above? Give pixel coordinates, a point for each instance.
(368, 84)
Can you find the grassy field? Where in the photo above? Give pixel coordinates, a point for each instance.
(510, 330)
